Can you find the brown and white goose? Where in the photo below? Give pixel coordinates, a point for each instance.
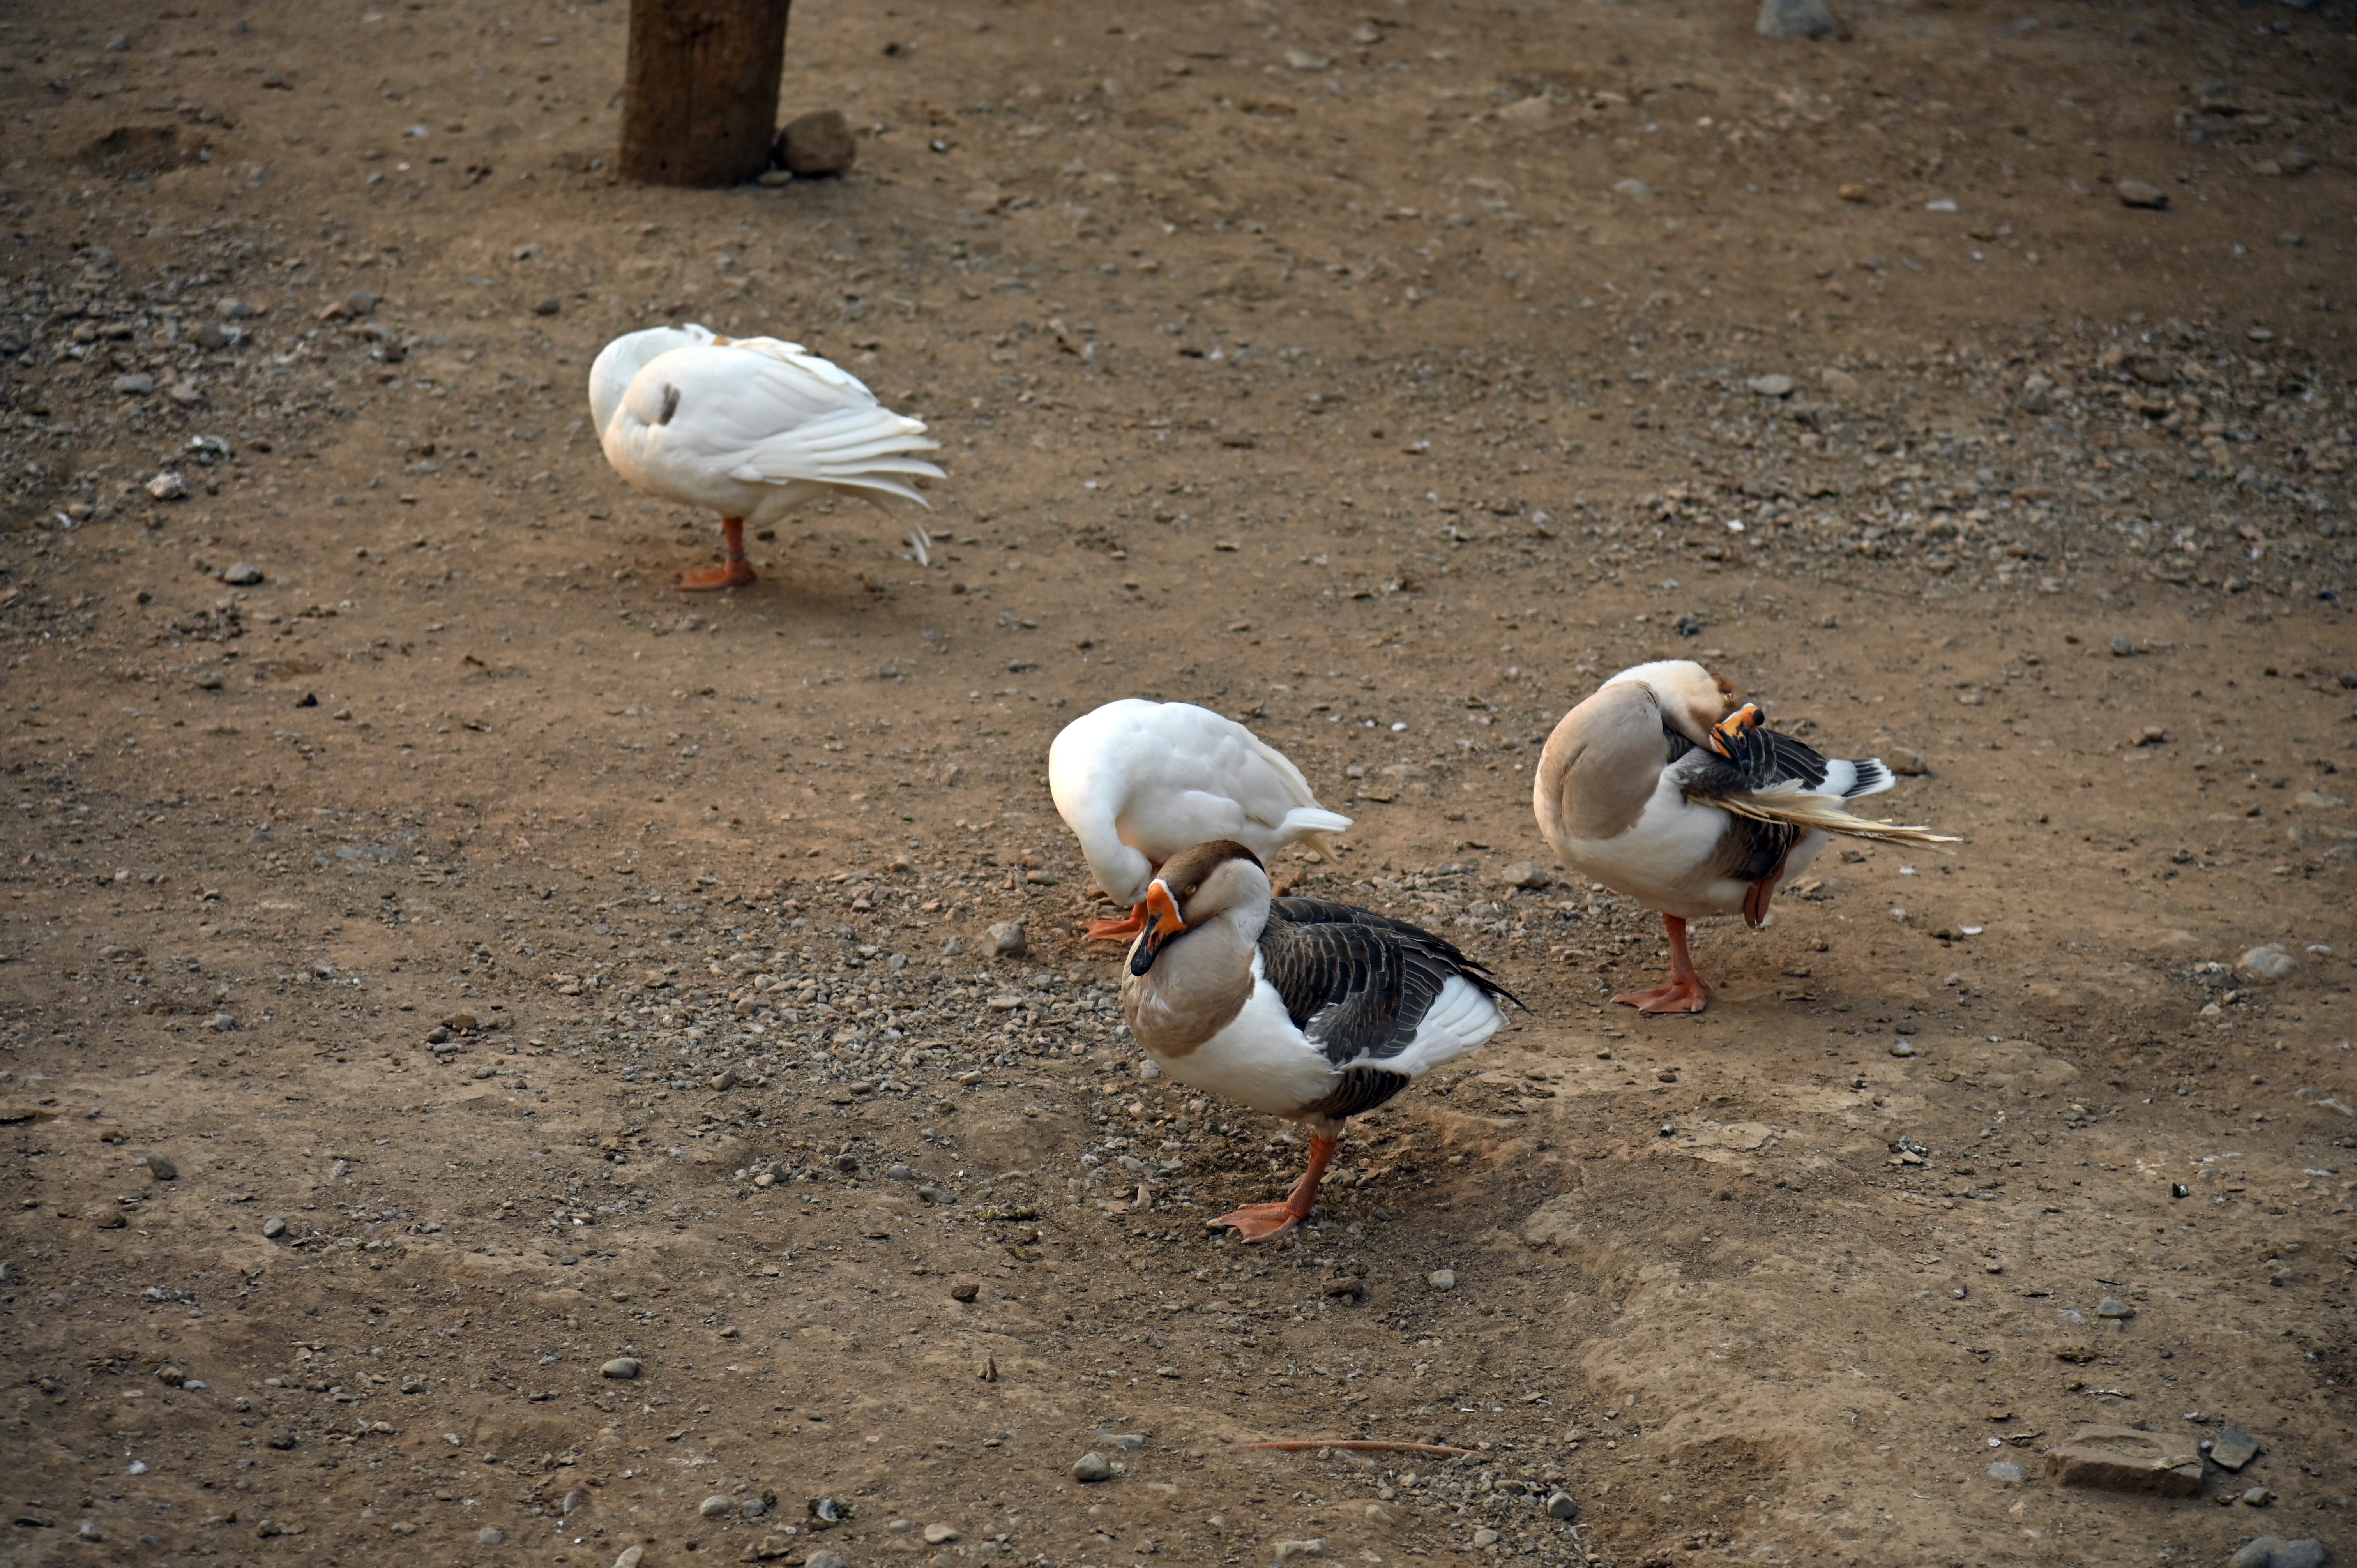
(1307, 1010)
(1664, 785)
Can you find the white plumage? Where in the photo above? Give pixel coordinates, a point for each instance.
(749, 427)
(1138, 781)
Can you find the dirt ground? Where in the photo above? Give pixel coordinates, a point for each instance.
(515, 965)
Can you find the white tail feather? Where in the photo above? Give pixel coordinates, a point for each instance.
(1823, 815)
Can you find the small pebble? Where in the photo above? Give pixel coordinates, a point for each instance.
(940, 1534)
(2270, 961)
(1008, 938)
(621, 1368)
(2138, 193)
(1442, 1279)
(827, 1559)
(491, 1535)
(965, 1290)
(2258, 1497)
(1526, 873)
(574, 1500)
(240, 574)
(632, 1556)
(162, 1169)
(2006, 1471)
(2113, 1307)
(2274, 1551)
(1092, 1467)
(137, 384)
(168, 485)
(1563, 1505)
(1796, 19)
(1485, 1536)
(1775, 384)
(1902, 1047)
(752, 1508)
(719, 1504)
(273, 1228)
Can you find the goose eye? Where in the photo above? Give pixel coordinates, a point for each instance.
(1191, 889)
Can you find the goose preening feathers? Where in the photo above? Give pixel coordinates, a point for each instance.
(750, 428)
(1664, 785)
(1138, 781)
(1307, 1010)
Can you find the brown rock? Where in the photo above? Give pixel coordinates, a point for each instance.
(2121, 1459)
(819, 143)
(2139, 193)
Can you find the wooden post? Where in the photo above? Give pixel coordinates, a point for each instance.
(700, 90)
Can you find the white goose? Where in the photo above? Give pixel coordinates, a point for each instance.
(750, 428)
(1311, 1011)
(1663, 785)
(1138, 781)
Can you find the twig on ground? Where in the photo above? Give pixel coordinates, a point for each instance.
(1356, 1446)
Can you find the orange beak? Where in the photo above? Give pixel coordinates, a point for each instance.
(1726, 735)
(1162, 923)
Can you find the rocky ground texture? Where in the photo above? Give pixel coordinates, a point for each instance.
(501, 1062)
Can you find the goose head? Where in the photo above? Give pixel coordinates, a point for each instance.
(1221, 880)
(1692, 698)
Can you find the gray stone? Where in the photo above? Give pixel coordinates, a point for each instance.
(1091, 1466)
(240, 574)
(169, 486)
(2113, 1307)
(273, 1228)
(953, 946)
(2137, 193)
(2257, 1498)
(2006, 1471)
(827, 1559)
(135, 384)
(719, 1504)
(1563, 1505)
(162, 1169)
(1906, 761)
(1441, 1279)
(1796, 19)
(817, 144)
(2269, 962)
(633, 1555)
(2233, 1448)
(2121, 1459)
(1128, 1441)
(621, 1368)
(1902, 1047)
(1773, 384)
(1526, 873)
(1009, 940)
(2274, 1552)
(574, 1501)
(491, 1535)
(965, 1290)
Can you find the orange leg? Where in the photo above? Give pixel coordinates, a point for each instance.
(1686, 993)
(1261, 1221)
(736, 572)
(1120, 930)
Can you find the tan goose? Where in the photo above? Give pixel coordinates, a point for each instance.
(1664, 785)
(1307, 1010)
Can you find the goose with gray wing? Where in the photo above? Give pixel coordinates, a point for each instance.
(1312, 1011)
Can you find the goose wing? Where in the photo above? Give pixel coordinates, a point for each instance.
(1370, 991)
(763, 412)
